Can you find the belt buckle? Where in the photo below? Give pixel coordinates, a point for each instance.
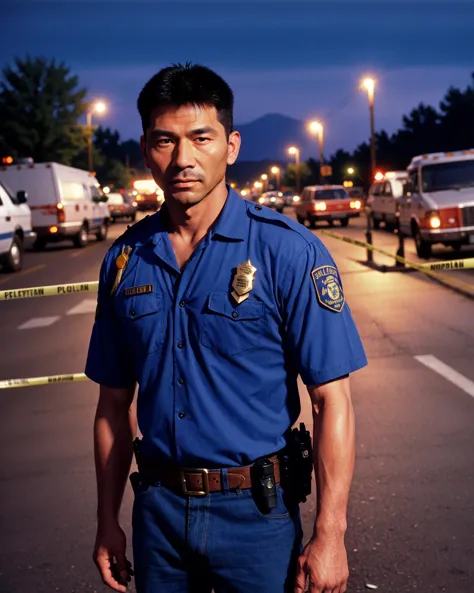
(198, 471)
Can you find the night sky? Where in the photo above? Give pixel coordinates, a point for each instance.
(302, 59)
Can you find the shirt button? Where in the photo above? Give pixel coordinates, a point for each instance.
(235, 314)
(182, 304)
(132, 312)
(258, 207)
(181, 415)
(181, 381)
(180, 344)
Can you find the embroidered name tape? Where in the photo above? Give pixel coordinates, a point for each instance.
(328, 288)
(134, 290)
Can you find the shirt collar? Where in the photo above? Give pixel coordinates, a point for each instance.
(231, 224)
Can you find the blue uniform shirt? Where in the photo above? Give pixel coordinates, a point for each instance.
(217, 380)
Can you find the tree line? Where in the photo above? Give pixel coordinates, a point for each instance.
(41, 105)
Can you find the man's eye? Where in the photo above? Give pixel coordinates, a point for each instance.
(163, 141)
(202, 140)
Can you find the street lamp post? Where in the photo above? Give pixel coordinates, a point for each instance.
(264, 178)
(99, 108)
(369, 85)
(317, 128)
(276, 172)
(296, 152)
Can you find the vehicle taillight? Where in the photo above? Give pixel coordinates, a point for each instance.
(61, 214)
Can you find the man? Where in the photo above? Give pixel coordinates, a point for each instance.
(214, 305)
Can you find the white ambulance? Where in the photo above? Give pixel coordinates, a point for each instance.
(65, 203)
(438, 201)
(15, 228)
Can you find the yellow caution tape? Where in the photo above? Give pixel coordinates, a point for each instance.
(455, 264)
(42, 291)
(428, 269)
(34, 381)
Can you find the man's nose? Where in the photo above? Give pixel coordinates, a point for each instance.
(184, 154)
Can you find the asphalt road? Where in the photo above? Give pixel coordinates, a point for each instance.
(411, 515)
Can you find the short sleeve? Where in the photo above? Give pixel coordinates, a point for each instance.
(108, 362)
(320, 331)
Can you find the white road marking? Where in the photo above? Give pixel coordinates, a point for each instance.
(39, 322)
(447, 372)
(86, 306)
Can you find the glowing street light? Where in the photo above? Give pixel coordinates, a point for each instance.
(369, 85)
(294, 151)
(316, 128)
(350, 171)
(276, 171)
(98, 107)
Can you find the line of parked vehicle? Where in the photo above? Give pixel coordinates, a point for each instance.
(43, 203)
(432, 201)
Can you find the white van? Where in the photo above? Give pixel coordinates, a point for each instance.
(15, 228)
(438, 201)
(383, 199)
(65, 203)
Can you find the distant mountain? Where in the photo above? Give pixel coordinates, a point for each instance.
(270, 136)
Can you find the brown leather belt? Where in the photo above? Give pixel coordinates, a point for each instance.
(199, 481)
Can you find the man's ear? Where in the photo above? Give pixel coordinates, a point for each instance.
(233, 147)
(144, 151)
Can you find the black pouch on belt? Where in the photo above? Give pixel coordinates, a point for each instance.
(263, 485)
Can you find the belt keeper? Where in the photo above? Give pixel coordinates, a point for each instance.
(225, 480)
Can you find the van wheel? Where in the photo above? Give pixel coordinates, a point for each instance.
(80, 240)
(423, 248)
(375, 222)
(300, 219)
(133, 217)
(14, 259)
(102, 232)
(344, 221)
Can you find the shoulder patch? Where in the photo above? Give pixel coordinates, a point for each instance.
(328, 288)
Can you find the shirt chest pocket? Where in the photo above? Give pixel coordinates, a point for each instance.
(228, 328)
(142, 320)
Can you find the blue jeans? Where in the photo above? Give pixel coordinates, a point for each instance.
(219, 542)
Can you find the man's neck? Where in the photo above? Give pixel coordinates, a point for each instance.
(192, 224)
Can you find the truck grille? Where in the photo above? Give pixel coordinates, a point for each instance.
(468, 216)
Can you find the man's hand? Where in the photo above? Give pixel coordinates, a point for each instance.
(324, 561)
(109, 557)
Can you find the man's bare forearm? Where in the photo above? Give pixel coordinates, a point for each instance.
(334, 452)
(114, 431)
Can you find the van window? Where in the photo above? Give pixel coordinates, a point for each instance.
(95, 193)
(72, 191)
(387, 189)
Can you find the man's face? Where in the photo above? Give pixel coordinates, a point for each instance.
(187, 150)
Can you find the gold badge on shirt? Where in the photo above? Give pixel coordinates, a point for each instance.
(243, 282)
(121, 263)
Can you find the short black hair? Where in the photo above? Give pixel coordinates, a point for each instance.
(188, 84)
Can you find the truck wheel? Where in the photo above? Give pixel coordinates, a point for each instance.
(300, 219)
(14, 259)
(312, 222)
(101, 234)
(80, 240)
(423, 248)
